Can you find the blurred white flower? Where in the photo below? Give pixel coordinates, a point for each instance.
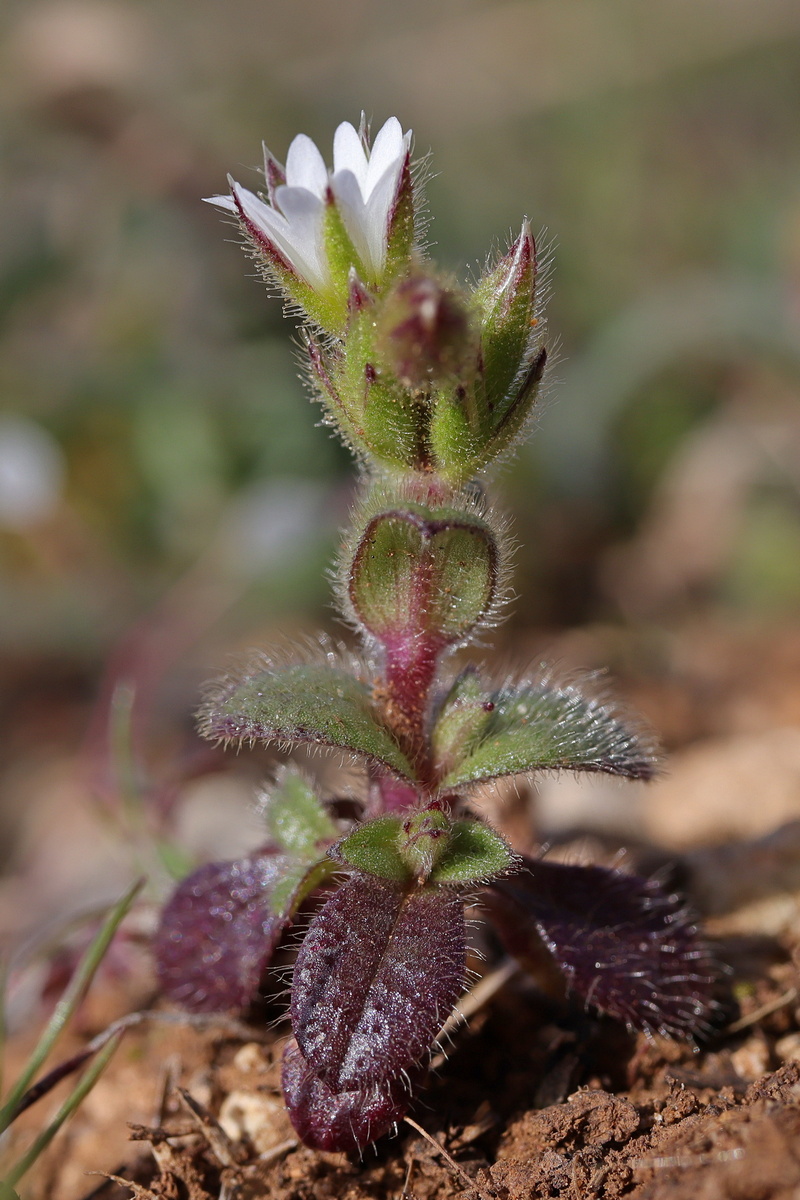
(364, 184)
(31, 473)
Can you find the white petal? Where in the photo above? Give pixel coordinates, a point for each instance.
(348, 154)
(347, 191)
(226, 202)
(299, 238)
(263, 217)
(305, 167)
(376, 220)
(389, 149)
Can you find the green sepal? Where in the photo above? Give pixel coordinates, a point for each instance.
(505, 299)
(393, 422)
(456, 443)
(460, 719)
(546, 727)
(295, 818)
(474, 854)
(374, 848)
(304, 703)
(423, 568)
(515, 412)
(383, 420)
(342, 257)
(402, 231)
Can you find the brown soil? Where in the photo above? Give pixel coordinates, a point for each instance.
(536, 1099)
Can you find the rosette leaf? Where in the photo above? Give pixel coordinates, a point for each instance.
(625, 946)
(295, 819)
(219, 931)
(376, 976)
(425, 845)
(340, 1121)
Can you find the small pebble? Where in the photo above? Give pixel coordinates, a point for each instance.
(752, 1059)
(250, 1057)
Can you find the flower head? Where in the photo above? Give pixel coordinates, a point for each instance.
(317, 224)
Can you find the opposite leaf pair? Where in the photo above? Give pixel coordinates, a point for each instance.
(383, 960)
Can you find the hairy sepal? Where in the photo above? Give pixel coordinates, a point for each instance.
(625, 946)
(340, 1121)
(322, 703)
(377, 975)
(546, 726)
(219, 931)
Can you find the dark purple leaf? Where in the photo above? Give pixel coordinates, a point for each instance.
(218, 933)
(625, 946)
(338, 1121)
(377, 975)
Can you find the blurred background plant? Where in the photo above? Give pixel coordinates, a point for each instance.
(165, 493)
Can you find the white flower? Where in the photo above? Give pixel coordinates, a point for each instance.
(364, 184)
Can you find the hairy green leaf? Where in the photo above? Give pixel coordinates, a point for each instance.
(295, 818)
(551, 727)
(475, 853)
(305, 703)
(374, 849)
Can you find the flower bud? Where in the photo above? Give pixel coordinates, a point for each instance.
(424, 334)
(506, 298)
(424, 839)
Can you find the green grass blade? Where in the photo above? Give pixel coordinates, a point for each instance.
(68, 1003)
(3, 984)
(72, 1102)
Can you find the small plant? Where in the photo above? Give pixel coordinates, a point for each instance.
(429, 383)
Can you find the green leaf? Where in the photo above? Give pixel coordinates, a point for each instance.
(74, 993)
(474, 854)
(305, 703)
(463, 714)
(374, 849)
(543, 727)
(297, 883)
(72, 1102)
(295, 818)
(421, 569)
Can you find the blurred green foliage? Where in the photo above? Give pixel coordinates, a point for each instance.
(657, 144)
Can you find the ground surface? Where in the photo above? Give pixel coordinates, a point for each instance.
(536, 1099)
